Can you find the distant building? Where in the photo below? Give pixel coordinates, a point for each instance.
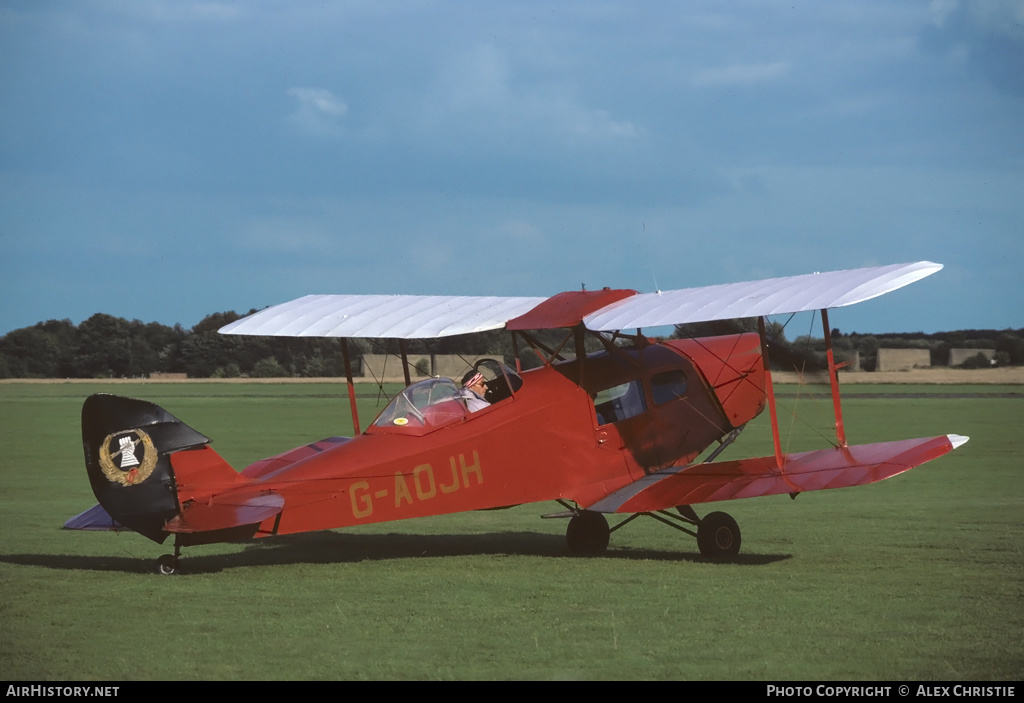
(903, 359)
(959, 356)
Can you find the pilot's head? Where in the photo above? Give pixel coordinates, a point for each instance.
(475, 382)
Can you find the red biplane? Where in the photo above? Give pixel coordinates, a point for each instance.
(616, 431)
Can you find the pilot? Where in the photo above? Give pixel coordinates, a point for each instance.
(474, 387)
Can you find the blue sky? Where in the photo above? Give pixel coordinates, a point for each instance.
(164, 159)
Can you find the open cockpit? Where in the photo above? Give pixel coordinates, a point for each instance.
(432, 403)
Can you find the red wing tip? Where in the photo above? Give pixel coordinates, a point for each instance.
(957, 439)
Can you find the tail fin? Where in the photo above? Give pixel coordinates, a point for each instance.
(127, 454)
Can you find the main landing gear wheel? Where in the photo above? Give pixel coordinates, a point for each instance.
(718, 536)
(167, 565)
(587, 534)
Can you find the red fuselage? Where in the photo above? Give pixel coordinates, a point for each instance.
(571, 431)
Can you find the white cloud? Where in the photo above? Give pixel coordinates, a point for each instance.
(589, 122)
(741, 74)
(995, 17)
(318, 113)
(480, 87)
(175, 10)
(519, 233)
(284, 235)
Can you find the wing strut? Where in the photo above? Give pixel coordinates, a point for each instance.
(833, 377)
(351, 385)
(405, 362)
(780, 458)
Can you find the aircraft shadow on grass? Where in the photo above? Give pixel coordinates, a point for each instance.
(337, 548)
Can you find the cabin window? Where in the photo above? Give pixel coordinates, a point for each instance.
(668, 385)
(619, 402)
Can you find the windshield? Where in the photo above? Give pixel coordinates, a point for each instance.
(429, 403)
(502, 381)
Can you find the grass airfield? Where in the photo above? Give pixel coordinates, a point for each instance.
(920, 577)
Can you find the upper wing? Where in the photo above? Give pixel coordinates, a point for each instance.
(773, 296)
(429, 316)
(383, 316)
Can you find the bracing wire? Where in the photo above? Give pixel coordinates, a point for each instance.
(801, 384)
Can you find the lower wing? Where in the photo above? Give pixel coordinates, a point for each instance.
(838, 467)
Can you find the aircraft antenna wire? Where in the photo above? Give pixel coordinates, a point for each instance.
(650, 259)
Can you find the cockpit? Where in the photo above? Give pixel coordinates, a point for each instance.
(502, 381)
(434, 402)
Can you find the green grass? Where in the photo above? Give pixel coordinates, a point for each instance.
(918, 577)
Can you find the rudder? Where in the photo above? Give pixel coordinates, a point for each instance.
(127, 445)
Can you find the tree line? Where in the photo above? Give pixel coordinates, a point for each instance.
(104, 346)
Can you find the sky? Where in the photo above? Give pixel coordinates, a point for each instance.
(162, 160)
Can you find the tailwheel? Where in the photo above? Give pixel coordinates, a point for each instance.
(587, 534)
(167, 565)
(718, 536)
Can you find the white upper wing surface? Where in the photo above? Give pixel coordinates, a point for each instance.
(430, 316)
(773, 296)
(383, 316)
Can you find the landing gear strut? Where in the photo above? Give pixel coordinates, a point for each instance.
(718, 535)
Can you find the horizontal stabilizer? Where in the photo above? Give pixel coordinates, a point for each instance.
(838, 467)
(235, 509)
(95, 518)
